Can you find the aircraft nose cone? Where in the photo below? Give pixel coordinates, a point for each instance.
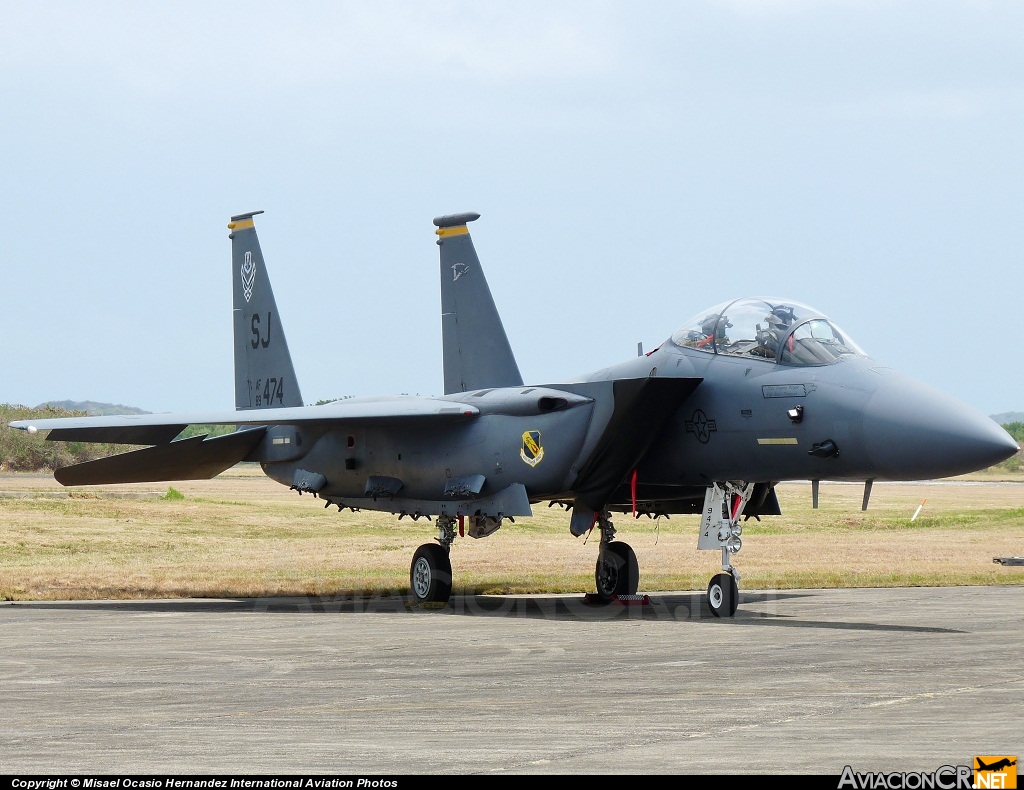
(913, 432)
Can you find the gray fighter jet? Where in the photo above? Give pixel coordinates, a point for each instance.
(746, 394)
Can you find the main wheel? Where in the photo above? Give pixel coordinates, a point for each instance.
(617, 571)
(430, 576)
(723, 595)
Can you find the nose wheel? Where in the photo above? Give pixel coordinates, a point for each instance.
(723, 595)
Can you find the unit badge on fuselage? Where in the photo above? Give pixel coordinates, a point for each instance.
(531, 452)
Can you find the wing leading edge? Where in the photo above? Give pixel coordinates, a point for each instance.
(162, 428)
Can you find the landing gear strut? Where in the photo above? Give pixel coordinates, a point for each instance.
(430, 575)
(617, 571)
(720, 528)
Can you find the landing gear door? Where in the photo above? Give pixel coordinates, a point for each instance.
(719, 521)
(710, 519)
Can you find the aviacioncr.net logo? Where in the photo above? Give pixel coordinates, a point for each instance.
(946, 777)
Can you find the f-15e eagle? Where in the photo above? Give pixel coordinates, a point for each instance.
(746, 394)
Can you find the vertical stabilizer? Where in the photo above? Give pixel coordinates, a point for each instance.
(264, 376)
(476, 350)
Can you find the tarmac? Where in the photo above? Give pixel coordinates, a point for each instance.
(798, 682)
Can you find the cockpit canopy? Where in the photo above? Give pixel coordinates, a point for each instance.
(778, 330)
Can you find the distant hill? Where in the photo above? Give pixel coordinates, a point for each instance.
(1008, 416)
(92, 407)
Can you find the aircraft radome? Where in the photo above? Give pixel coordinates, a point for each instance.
(744, 395)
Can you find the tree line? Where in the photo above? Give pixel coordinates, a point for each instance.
(21, 451)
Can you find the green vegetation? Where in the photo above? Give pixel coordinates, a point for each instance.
(206, 430)
(21, 451)
(1016, 462)
(173, 494)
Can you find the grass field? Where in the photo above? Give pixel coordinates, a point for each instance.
(243, 535)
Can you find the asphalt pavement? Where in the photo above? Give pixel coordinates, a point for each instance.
(800, 681)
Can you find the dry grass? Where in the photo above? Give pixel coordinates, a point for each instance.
(244, 535)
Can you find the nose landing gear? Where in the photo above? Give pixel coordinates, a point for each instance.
(720, 529)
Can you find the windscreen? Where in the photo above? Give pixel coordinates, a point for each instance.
(779, 330)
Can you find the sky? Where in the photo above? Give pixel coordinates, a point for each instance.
(633, 164)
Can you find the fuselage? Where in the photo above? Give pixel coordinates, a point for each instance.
(750, 420)
(774, 392)
(528, 436)
(852, 419)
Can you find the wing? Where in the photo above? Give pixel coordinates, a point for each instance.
(199, 458)
(162, 428)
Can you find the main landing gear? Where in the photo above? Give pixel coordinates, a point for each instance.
(430, 575)
(720, 529)
(617, 572)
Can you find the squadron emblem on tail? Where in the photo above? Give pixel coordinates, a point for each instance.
(248, 276)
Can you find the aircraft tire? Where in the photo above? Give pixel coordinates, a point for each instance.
(617, 571)
(723, 595)
(430, 575)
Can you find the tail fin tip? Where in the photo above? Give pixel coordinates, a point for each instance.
(241, 222)
(248, 215)
(454, 220)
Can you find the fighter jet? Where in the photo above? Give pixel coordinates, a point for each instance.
(744, 395)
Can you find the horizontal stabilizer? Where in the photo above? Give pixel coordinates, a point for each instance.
(197, 458)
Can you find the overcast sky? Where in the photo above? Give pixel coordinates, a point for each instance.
(633, 163)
